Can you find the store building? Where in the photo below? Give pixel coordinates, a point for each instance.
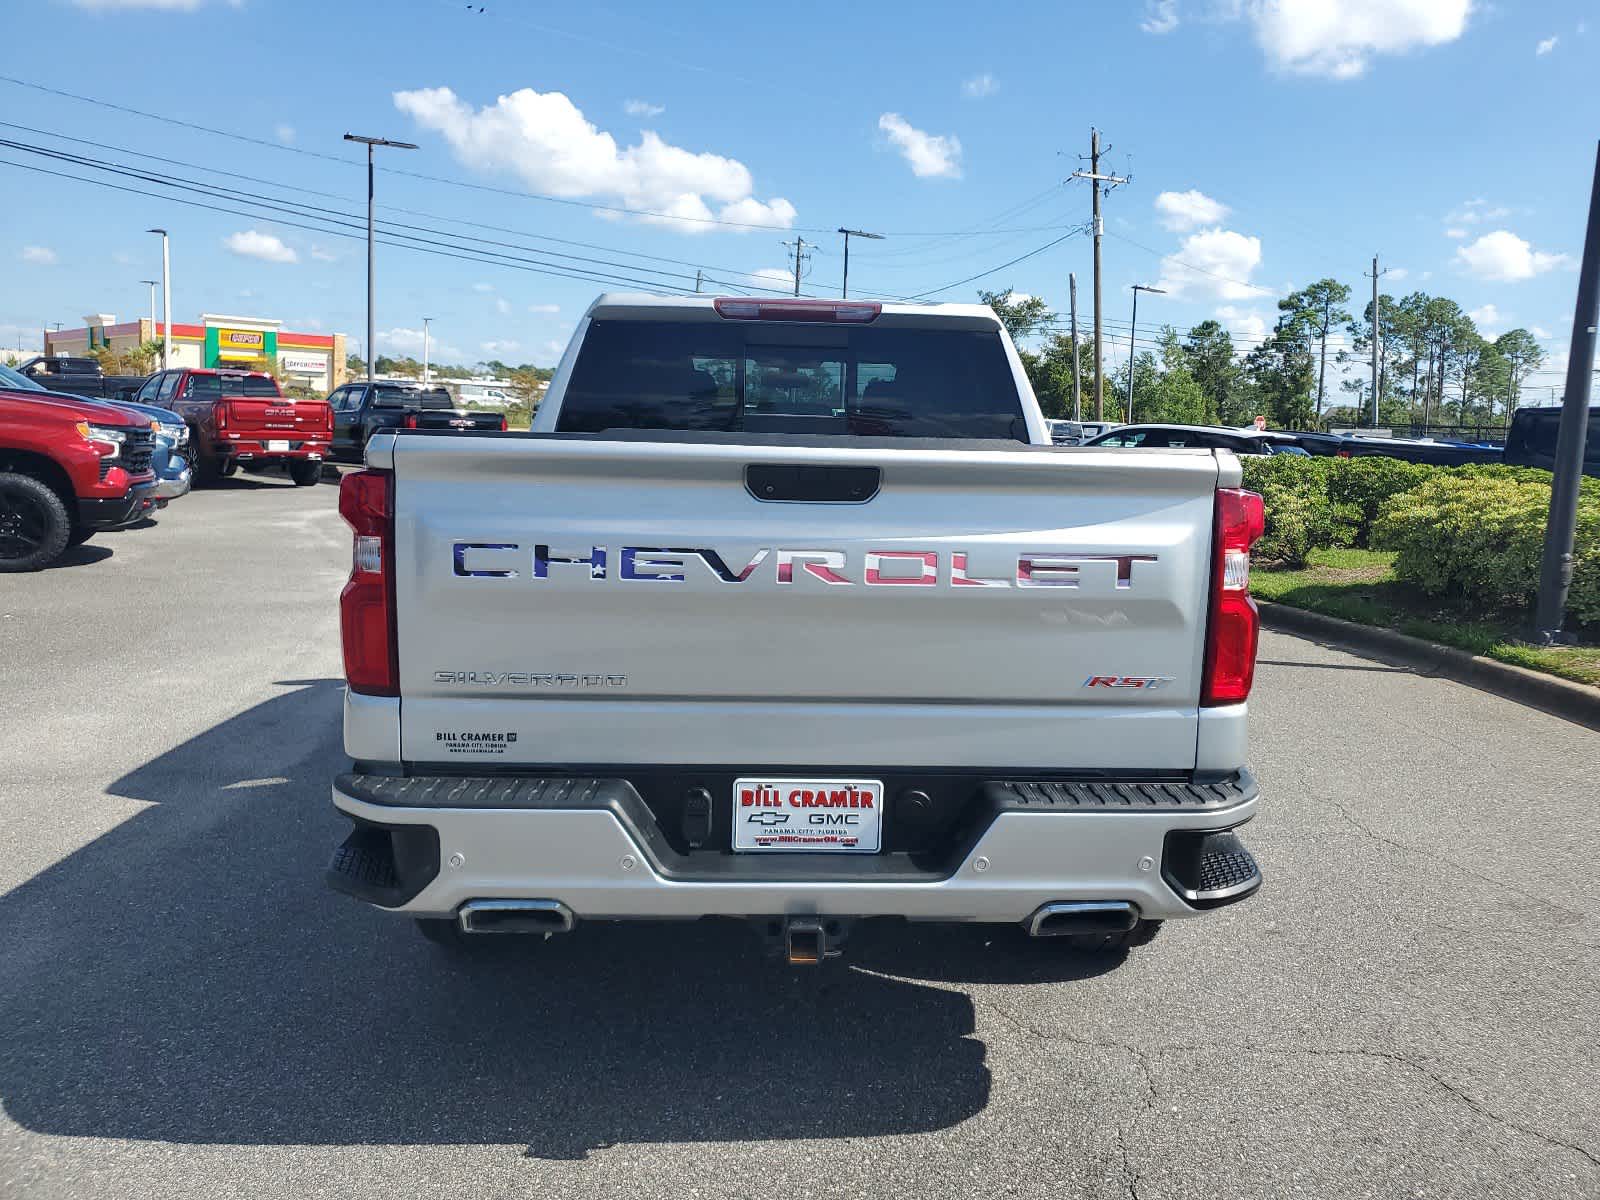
(315, 361)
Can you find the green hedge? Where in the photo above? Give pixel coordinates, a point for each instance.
(1475, 539)
(1472, 536)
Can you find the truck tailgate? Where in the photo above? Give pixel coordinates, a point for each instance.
(579, 601)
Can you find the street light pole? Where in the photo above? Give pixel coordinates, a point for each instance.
(153, 283)
(166, 300)
(1133, 336)
(369, 143)
(844, 291)
(426, 321)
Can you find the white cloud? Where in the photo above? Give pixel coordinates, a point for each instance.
(1214, 263)
(1183, 211)
(1160, 16)
(485, 288)
(153, 5)
(1396, 274)
(323, 255)
(502, 306)
(1486, 319)
(545, 140)
(122, 258)
(1476, 212)
(1540, 332)
(544, 308)
(643, 108)
(403, 341)
(1018, 297)
(775, 276)
(1457, 233)
(1242, 323)
(285, 134)
(932, 156)
(1547, 45)
(39, 256)
(1504, 257)
(1339, 39)
(498, 348)
(268, 247)
(980, 86)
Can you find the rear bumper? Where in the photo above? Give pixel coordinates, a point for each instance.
(260, 451)
(425, 847)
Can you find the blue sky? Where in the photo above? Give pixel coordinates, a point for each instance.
(1271, 142)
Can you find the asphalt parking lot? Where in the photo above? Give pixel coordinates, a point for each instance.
(1410, 1008)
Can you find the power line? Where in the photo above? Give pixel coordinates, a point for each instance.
(591, 205)
(384, 207)
(992, 270)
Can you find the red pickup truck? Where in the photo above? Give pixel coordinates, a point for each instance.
(241, 418)
(68, 467)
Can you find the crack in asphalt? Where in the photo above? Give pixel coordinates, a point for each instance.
(1142, 1057)
(1431, 856)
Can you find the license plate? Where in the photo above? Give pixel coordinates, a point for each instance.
(276, 447)
(832, 815)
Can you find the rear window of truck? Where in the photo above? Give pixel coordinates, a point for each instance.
(215, 387)
(413, 398)
(792, 378)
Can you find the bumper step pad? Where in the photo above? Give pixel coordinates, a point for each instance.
(1209, 870)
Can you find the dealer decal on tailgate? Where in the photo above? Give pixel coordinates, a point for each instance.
(808, 814)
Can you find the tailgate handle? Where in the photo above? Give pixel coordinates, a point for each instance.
(800, 484)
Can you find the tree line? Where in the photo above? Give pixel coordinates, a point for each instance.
(1434, 366)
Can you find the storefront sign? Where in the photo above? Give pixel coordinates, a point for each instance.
(302, 364)
(241, 343)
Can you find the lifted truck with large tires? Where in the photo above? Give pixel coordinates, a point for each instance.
(789, 611)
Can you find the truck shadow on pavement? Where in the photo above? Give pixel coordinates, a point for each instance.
(186, 977)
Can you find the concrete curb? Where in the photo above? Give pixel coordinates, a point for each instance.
(1575, 701)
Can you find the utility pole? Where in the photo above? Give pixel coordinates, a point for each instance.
(369, 143)
(426, 321)
(1133, 339)
(1095, 180)
(1377, 337)
(699, 277)
(166, 300)
(1555, 572)
(799, 245)
(1077, 390)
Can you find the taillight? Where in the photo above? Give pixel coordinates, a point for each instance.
(502, 424)
(366, 606)
(219, 416)
(1234, 625)
(847, 312)
(410, 421)
(1344, 454)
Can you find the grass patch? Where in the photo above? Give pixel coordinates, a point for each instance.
(1359, 586)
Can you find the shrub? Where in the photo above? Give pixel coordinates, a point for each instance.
(1362, 485)
(1301, 514)
(1476, 539)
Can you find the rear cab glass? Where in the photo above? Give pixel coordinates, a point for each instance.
(215, 387)
(413, 398)
(774, 377)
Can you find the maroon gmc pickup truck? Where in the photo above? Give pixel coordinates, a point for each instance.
(241, 418)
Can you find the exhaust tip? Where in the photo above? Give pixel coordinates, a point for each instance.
(516, 916)
(1082, 916)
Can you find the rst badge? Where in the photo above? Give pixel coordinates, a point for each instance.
(1138, 683)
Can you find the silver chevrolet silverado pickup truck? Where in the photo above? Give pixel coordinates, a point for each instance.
(789, 611)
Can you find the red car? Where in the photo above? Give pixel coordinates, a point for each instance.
(68, 467)
(241, 418)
